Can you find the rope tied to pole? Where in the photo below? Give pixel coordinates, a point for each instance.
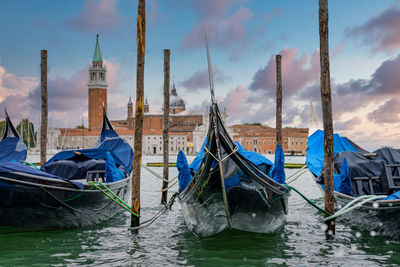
(355, 203)
(114, 197)
(167, 206)
(157, 175)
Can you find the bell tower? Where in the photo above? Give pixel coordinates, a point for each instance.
(97, 89)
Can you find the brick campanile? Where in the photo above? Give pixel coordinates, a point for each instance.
(97, 89)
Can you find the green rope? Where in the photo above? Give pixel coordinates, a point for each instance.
(30, 164)
(122, 203)
(308, 200)
(349, 207)
(157, 175)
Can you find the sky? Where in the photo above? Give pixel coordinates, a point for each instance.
(244, 36)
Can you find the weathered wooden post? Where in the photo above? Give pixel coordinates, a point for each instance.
(139, 111)
(43, 129)
(164, 195)
(83, 134)
(327, 115)
(278, 100)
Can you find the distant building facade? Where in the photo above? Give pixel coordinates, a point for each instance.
(262, 139)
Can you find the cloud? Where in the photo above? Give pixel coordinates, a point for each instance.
(388, 112)
(95, 15)
(234, 104)
(64, 95)
(67, 97)
(223, 30)
(225, 23)
(382, 32)
(355, 94)
(200, 80)
(14, 91)
(11, 84)
(297, 73)
(348, 125)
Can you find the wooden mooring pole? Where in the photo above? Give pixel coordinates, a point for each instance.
(43, 128)
(164, 195)
(139, 111)
(327, 115)
(278, 100)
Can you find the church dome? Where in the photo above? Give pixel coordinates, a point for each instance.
(175, 100)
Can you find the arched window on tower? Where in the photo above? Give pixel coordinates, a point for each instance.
(93, 75)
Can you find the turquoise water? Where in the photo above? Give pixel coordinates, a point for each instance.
(167, 242)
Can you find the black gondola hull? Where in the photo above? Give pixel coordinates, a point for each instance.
(377, 217)
(45, 203)
(249, 211)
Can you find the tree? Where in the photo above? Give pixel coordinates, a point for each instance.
(27, 127)
(2, 128)
(80, 127)
(253, 123)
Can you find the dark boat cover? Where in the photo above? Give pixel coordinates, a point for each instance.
(111, 153)
(350, 162)
(12, 147)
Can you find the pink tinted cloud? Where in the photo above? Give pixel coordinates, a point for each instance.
(388, 112)
(64, 94)
(96, 14)
(382, 32)
(199, 79)
(235, 105)
(383, 85)
(14, 91)
(348, 125)
(297, 73)
(213, 19)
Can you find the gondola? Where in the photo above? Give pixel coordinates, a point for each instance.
(65, 191)
(229, 188)
(361, 176)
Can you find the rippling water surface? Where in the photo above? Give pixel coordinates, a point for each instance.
(300, 242)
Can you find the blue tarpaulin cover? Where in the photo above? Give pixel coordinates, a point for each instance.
(113, 174)
(257, 159)
(12, 149)
(184, 176)
(278, 169)
(110, 147)
(315, 150)
(342, 181)
(7, 167)
(109, 142)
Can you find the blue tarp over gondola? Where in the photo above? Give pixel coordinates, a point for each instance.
(350, 162)
(276, 171)
(12, 148)
(315, 150)
(115, 152)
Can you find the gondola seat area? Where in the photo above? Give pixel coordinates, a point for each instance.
(89, 164)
